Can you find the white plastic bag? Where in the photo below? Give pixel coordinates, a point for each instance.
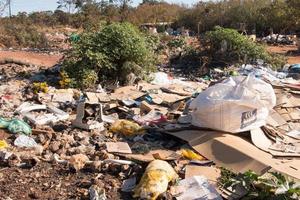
(161, 78)
(237, 104)
(197, 188)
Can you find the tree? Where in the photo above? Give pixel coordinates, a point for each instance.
(71, 5)
(259, 15)
(276, 16)
(3, 5)
(124, 8)
(89, 15)
(67, 4)
(151, 2)
(294, 12)
(153, 13)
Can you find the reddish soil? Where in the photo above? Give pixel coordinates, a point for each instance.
(290, 51)
(294, 59)
(31, 57)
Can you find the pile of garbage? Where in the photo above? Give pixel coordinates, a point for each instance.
(280, 39)
(58, 40)
(153, 135)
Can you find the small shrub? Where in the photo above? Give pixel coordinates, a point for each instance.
(178, 42)
(188, 61)
(8, 40)
(153, 41)
(40, 87)
(25, 36)
(191, 52)
(270, 186)
(110, 53)
(65, 81)
(238, 47)
(189, 57)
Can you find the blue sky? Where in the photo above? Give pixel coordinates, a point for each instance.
(42, 5)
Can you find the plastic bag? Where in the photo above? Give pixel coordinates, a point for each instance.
(18, 126)
(155, 180)
(25, 141)
(197, 187)
(161, 78)
(126, 127)
(238, 104)
(152, 118)
(191, 155)
(3, 144)
(15, 126)
(4, 123)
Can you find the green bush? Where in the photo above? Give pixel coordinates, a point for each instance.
(177, 43)
(239, 47)
(111, 53)
(270, 186)
(153, 41)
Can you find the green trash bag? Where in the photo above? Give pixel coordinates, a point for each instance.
(74, 37)
(15, 126)
(4, 123)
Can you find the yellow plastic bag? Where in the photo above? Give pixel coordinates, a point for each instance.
(3, 144)
(155, 180)
(126, 127)
(191, 155)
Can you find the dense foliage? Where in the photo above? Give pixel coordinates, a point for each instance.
(283, 16)
(229, 45)
(113, 52)
(178, 42)
(255, 16)
(259, 16)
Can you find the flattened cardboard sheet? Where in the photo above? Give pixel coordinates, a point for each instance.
(260, 140)
(118, 147)
(127, 92)
(274, 119)
(210, 172)
(236, 153)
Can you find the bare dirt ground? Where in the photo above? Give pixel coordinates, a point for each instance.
(31, 57)
(50, 60)
(288, 50)
(53, 181)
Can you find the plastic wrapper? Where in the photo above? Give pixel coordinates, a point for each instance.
(152, 118)
(4, 123)
(18, 126)
(197, 187)
(25, 141)
(191, 155)
(155, 180)
(3, 144)
(15, 126)
(126, 127)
